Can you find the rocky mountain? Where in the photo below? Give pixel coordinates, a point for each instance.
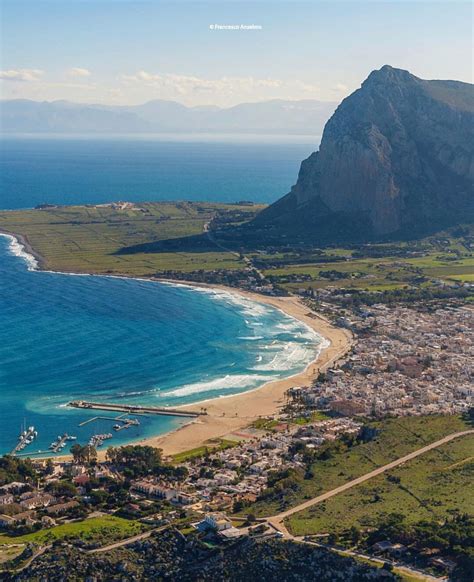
(277, 116)
(396, 158)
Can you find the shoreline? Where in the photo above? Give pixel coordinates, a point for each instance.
(235, 412)
(231, 413)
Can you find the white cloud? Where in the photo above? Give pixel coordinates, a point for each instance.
(340, 88)
(79, 72)
(229, 89)
(21, 75)
(184, 84)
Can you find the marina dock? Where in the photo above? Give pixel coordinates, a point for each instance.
(134, 409)
(26, 437)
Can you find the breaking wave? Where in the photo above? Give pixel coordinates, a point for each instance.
(17, 249)
(227, 383)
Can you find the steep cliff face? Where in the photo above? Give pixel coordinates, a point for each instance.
(397, 156)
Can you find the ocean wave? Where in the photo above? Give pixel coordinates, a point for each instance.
(248, 307)
(251, 338)
(134, 393)
(285, 359)
(17, 249)
(229, 382)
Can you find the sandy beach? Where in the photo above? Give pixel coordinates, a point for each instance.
(231, 413)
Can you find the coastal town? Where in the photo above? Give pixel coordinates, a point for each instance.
(406, 361)
(236, 291)
(219, 477)
(403, 362)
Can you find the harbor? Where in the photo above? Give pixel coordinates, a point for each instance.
(25, 438)
(122, 418)
(59, 444)
(135, 409)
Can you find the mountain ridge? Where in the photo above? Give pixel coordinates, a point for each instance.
(396, 157)
(305, 117)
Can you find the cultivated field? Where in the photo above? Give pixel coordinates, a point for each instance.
(106, 239)
(87, 239)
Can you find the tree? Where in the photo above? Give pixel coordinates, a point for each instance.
(83, 454)
(62, 488)
(90, 454)
(77, 453)
(332, 539)
(354, 535)
(14, 469)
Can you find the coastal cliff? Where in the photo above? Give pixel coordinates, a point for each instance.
(396, 158)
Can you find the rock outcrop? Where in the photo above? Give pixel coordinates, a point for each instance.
(396, 158)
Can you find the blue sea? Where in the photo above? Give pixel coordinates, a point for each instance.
(65, 337)
(84, 170)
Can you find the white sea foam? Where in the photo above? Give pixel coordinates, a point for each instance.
(287, 358)
(246, 306)
(229, 382)
(18, 250)
(251, 338)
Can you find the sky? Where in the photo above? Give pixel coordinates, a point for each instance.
(126, 52)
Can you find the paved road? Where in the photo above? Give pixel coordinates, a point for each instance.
(276, 520)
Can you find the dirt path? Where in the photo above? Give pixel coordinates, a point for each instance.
(127, 541)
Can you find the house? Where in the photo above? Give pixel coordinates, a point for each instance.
(6, 499)
(47, 521)
(162, 491)
(217, 521)
(14, 486)
(231, 533)
(81, 480)
(386, 547)
(443, 563)
(27, 517)
(36, 501)
(61, 507)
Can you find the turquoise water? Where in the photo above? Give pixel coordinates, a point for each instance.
(92, 171)
(65, 337)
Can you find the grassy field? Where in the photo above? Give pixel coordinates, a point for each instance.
(103, 529)
(428, 487)
(89, 238)
(376, 267)
(221, 445)
(395, 438)
(86, 239)
(377, 274)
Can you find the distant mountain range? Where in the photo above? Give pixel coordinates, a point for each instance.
(396, 159)
(287, 117)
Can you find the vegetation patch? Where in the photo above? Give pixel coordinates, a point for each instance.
(102, 530)
(338, 462)
(431, 487)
